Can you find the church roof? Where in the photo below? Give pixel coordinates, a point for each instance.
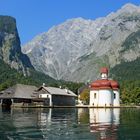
(105, 84)
(104, 70)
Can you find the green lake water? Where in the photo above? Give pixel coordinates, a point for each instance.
(69, 124)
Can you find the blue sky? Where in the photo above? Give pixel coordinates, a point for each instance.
(36, 16)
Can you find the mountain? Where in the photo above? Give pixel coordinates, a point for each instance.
(77, 48)
(10, 76)
(127, 71)
(10, 49)
(14, 65)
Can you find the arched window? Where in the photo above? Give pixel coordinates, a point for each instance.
(94, 95)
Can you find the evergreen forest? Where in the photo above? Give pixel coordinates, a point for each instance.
(10, 77)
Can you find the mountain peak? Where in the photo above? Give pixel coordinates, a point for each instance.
(75, 49)
(10, 49)
(130, 7)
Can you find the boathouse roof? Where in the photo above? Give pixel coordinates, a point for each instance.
(57, 91)
(18, 91)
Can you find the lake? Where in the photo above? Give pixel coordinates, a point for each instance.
(69, 124)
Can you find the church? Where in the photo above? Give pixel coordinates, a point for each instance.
(104, 92)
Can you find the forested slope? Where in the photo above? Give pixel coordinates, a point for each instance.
(128, 75)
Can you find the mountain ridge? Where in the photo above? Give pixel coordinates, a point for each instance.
(10, 49)
(77, 48)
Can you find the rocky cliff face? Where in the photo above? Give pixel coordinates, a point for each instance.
(10, 49)
(75, 49)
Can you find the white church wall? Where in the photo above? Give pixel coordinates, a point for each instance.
(94, 97)
(116, 101)
(105, 97)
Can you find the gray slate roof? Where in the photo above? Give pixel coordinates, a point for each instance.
(18, 91)
(59, 91)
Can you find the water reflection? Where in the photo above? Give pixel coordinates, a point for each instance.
(57, 123)
(104, 123)
(83, 116)
(6, 109)
(70, 124)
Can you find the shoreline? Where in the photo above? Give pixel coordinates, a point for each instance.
(75, 106)
(83, 106)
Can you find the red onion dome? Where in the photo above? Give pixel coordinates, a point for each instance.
(105, 84)
(114, 84)
(101, 84)
(95, 85)
(104, 70)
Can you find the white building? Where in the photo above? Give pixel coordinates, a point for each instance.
(52, 96)
(104, 92)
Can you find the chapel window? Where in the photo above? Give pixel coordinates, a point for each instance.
(94, 95)
(114, 96)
